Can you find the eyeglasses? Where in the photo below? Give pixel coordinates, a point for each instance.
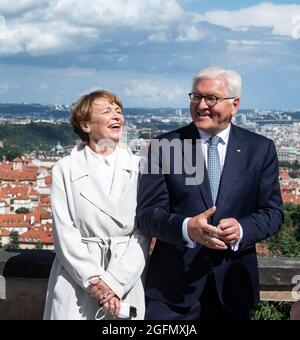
(209, 99)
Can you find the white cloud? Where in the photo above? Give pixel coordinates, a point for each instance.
(14, 7)
(186, 57)
(159, 37)
(53, 27)
(250, 45)
(2, 27)
(279, 18)
(189, 33)
(63, 25)
(6, 87)
(89, 90)
(122, 59)
(44, 38)
(117, 13)
(154, 90)
(44, 87)
(71, 72)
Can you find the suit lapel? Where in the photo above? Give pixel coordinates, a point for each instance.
(204, 188)
(234, 155)
(236, 151)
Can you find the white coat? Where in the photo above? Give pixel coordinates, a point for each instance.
(94, 235)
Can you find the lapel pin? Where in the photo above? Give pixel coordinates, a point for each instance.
(238, 150)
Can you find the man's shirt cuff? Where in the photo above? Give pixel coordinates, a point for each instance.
(187, 241)
(236, 246)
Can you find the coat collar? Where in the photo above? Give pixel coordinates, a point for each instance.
(122, 184)
(79, 164)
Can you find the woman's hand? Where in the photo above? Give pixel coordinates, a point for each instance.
(113, 306)
(101, 291)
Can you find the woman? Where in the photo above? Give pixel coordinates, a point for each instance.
(99, 255)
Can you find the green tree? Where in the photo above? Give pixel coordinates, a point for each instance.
(11, 152)
(38, 245)
(295, 216)
(287, 241)
(267, 310)
(294, 174)
(22, 210)
(13, 241)
(285, 244)
(293, 166)
(19, 139)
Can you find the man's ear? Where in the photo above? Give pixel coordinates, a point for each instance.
(236, 105)
(85, 127)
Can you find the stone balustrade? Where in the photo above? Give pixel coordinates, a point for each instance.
(24, 277)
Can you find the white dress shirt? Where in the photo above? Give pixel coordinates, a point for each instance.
(103, 168)
(222, 148)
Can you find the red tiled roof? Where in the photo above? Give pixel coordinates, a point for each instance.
(290, 188)
(292, 198)
(4, 232)
(45, 201)
(48, 180)
(13, 220)
(5, 167)
(12, 217)
(14, 225)
(3, 195)
(48, 226)
(32, 192)
(20, 176)
(45, 215)
(31, 168)
(16, 191)
(284, 174)
(34, 235)
(39, 214)
(19, 190)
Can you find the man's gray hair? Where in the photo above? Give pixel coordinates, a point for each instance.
(234, 80)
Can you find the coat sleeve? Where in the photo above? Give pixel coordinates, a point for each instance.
(267, 219)
(154, 217)
(71, 252)
(122, 274)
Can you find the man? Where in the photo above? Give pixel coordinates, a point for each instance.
(204, 263)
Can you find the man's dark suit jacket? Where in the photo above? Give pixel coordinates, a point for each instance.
(249, 191)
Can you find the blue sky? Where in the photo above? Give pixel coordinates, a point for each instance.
(53, 51)
(205, 5)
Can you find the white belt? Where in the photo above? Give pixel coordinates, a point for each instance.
(107, 246)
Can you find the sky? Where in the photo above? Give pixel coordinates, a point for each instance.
(147, 52)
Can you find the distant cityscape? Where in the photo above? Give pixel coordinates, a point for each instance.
(25, 181)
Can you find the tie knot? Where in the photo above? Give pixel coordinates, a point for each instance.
(214, 140)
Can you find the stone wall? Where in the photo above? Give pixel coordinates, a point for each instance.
(24, 276)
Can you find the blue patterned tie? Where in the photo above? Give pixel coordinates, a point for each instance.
(214, 166)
